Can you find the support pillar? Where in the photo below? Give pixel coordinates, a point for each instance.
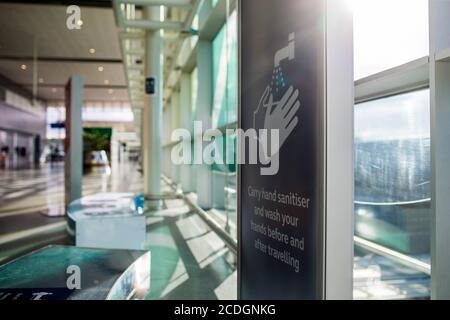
(440, 150)
(152, 115)
(167, 163)
(175, 124)
(203, 114)
(186, 123)
(73, 146)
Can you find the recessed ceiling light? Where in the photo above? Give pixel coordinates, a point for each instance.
(92, 50)
(80, 22)
(110, 91)
(23, 67)
(100, 68)
(53, 90)
(106, 81)
(41, 80)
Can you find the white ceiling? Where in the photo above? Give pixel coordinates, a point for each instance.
(65, 52)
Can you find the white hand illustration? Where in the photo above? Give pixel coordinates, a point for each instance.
(280, 116)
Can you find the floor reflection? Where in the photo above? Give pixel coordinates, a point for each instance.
(188, 260)
(32, 199)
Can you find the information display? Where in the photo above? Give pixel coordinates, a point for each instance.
(282, 67)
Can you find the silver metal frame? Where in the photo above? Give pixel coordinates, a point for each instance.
(440, 150)
(411, 76)
(339, 173)
(238, 167)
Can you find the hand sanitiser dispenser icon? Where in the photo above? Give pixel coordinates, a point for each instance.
(287, 52)
(278, 87)
(277, 108)
(278, 81)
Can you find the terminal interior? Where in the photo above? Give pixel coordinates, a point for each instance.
(192, 45)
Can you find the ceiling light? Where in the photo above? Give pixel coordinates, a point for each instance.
(41, 80)
(110, 91)
(106, 81)
(92, 50)
(53, 90)
(80, 22)
(23, 67)
(100, 68)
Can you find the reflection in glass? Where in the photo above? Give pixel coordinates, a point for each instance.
(392, 186)
(224, 114)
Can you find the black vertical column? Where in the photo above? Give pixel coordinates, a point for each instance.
(281, 210)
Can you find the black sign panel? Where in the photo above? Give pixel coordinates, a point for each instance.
(150, 86)
(57, 125)
(282, 65)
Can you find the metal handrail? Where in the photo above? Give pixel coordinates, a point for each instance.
(401, 258)
(216, 227)
(370, 246)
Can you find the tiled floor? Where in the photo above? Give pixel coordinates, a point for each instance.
(188, 260)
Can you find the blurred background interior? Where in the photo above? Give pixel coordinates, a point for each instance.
(194, 257)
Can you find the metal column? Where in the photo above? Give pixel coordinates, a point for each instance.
(440, 150)
(203, 115)
(153, 111)
(74, 140)
(175, 124)
(186, 123)
(339, 153)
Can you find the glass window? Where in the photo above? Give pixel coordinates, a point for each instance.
(392, 196)
(225, 73)
(194, 89)
(55, 115)
(224, 113)
(388, 33)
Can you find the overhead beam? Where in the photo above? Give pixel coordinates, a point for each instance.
(61, 59)
(135, 51)
(88, 86)
(136, 67)
(122, 22)
(153, 25)
(166, 3)
(124, 35)
(109, 99)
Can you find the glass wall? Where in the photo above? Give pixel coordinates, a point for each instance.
(92, 112)
(194, 88)
(392, 147)
(224, 115)
(392, 195)
(392, 155)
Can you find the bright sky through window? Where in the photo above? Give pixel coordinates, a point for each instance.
(388, 33)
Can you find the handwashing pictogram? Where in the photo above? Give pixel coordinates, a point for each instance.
(280, 104)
